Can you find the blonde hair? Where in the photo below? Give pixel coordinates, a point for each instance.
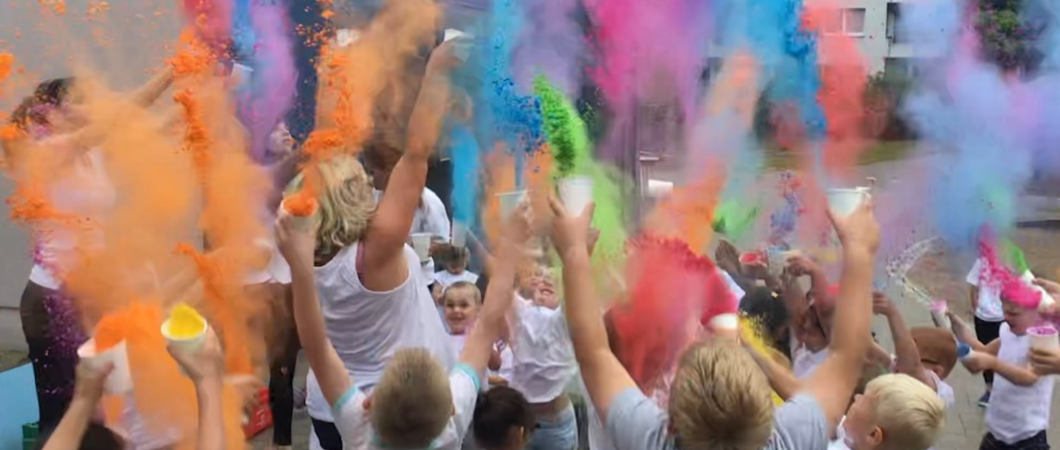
(909, 412)
(720, 400)
(412, 403)
(346, 204)
(465, 286)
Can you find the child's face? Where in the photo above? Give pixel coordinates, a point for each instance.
(461, 310)
(1018, 318)
(859, 426)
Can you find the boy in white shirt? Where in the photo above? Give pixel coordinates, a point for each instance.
(414, 405)
(1018, 413)
(897, 412)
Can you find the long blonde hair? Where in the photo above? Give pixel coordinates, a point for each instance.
(346, 204)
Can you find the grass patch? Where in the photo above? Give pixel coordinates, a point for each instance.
(777, 158)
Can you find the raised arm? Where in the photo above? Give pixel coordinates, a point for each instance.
(205, 367)
(603, 374)
(146, 95)
(389, 228)
(907, 356)
(780, 378)
(478, 350)
(296, 244)
(87, 391)
(834, 382)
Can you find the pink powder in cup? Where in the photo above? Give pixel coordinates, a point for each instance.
(1044, 337)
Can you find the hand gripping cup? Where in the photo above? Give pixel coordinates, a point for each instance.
(1044, 337)
(185, 328)
(120, 379)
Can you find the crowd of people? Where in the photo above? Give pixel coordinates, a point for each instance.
(413, 352)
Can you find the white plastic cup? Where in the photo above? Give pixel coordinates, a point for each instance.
(421, 242)
(510, 201)
(120, 379)
(459, 238)
(576, 193)
(843, 202)
(1044, 337)
(725, 324)
(660, 188)
(938, 314)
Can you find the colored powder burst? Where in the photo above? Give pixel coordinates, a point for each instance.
(196, 137)
(274, 77)
(7, 64)
(212, 20)
(782, 222)
(551, 44)
(565, 130)
(637, 64)
(1012, 287)
(508, 115)
(734, 219)
(572, 155)
(672, 291)
(465, 154)
(192, 57)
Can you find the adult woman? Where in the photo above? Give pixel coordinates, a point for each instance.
(373, 295)
(77, 186)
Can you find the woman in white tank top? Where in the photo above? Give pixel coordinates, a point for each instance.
(373, 295)
(77, 186)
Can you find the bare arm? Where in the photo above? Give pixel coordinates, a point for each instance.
(478, 350)
(964, 333)
(72, 427)
(389, 228)
(604, 375)
(907, 356)
(297, 248)
(211, 420)
(146, 95)
(1019, 376)
(780, 378)
(834, 382)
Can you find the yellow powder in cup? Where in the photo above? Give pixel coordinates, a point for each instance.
(185, 322)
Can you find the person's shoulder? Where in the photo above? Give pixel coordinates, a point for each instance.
(634, 421)
(800, 423)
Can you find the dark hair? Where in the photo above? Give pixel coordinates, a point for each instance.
(53, 93)
(96, 437)
(764, 305)
(497, 411)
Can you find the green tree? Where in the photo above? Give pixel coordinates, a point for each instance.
(1006, 40)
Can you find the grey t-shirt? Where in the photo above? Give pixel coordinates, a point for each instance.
(634, 422)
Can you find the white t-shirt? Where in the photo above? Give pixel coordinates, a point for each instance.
(805, 362)
(989, 294)
(507, 359)
(430, 218)
(138, 435)
(942, 388)
(447, 279)
(352, 420)
(83, 191)
(367, 327)
(276, 271)
(543, 357)
(1016, 412)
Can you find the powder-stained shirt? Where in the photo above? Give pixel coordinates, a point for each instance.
(635, 422)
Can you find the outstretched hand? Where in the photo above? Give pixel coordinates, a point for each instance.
(859, 230)
(90, 380)
(570, 232)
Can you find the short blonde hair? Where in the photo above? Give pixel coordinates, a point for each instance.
(720, 400)
(346, 203)
(412, 403)
(909, 412)
(464, 286)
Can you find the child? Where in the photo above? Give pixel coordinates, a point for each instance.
(986, 303)
(1018, 413)
(503, 420)
(415, 404)
(455, 263)
(896, 412)
(461, 301)
(719, 398)
(926, 354)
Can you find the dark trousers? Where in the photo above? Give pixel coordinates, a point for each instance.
(328, 435)
(986, 332)
(1036, 442)
(53, 332)
(281, 338)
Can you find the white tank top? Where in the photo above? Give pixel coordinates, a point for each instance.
(367, 327)
(1015, 412)
(84, 191)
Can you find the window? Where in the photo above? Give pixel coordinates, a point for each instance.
(854, 22)
(850, 22)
